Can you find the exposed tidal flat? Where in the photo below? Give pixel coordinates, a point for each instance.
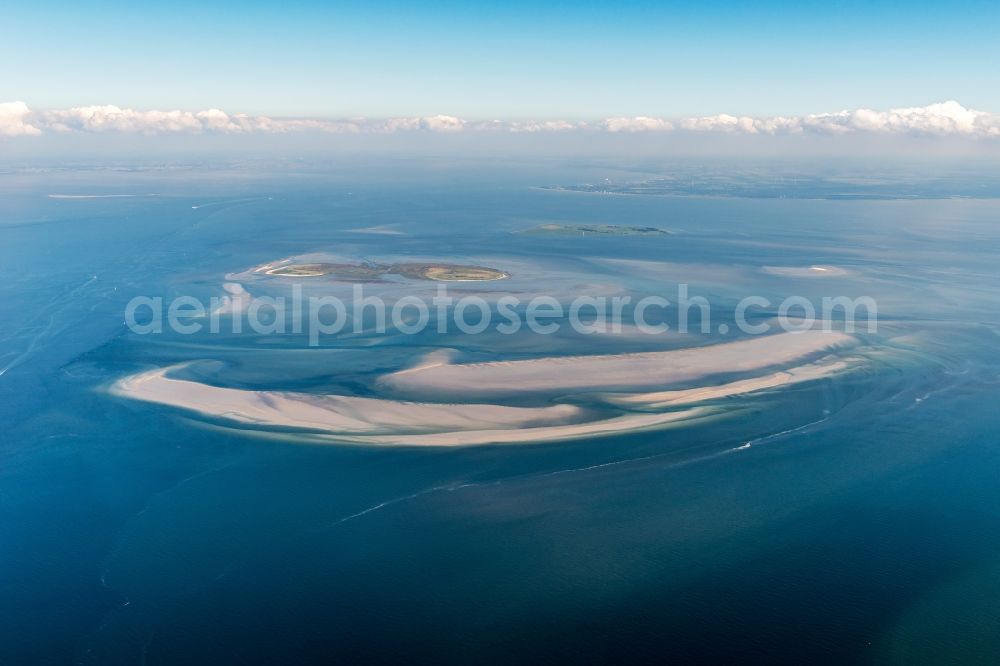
(816, 498)
(461, 422)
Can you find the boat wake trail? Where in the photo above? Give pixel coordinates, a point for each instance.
(573, 470)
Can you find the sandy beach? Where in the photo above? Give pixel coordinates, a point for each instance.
(386, 422)
(664, 399)
(626, 371)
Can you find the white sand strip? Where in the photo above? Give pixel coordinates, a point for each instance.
(386, 422)
(576, 373)
(331, 413)
(618, 425)
(664, 399)
(805, 271)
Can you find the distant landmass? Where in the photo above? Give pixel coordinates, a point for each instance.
(794, 185)
(593, 229)
(370, 272)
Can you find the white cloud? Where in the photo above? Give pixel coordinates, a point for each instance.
(13, 117)
(443, 124)
(943, 119)
(111, 118)
(429, 123)
(399, 125)
(636, 124)
(115, 119)
(743, 124)
(537, 126)
(720, 123)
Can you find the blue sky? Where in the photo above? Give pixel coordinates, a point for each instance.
(505, 60)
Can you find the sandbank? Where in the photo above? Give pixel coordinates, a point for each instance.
(628, 371)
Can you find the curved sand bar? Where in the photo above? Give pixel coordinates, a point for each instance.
(666, 399)
(333, 418)
(626, 371)
(333, 413)
(617, 425)
(384, 422)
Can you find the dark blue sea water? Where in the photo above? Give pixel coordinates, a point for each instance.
(861, 526)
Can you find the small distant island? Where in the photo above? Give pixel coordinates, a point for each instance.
(594, 230)
(371, 272)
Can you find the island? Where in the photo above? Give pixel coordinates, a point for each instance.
(373, 272)
(593, 230)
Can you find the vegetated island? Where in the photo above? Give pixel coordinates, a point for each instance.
(371, 272)
(593, 230)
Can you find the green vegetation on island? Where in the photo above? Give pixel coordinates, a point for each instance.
(371, 272)
(593, 230)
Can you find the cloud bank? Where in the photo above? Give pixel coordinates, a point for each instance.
(942, 119)
(15, 120)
